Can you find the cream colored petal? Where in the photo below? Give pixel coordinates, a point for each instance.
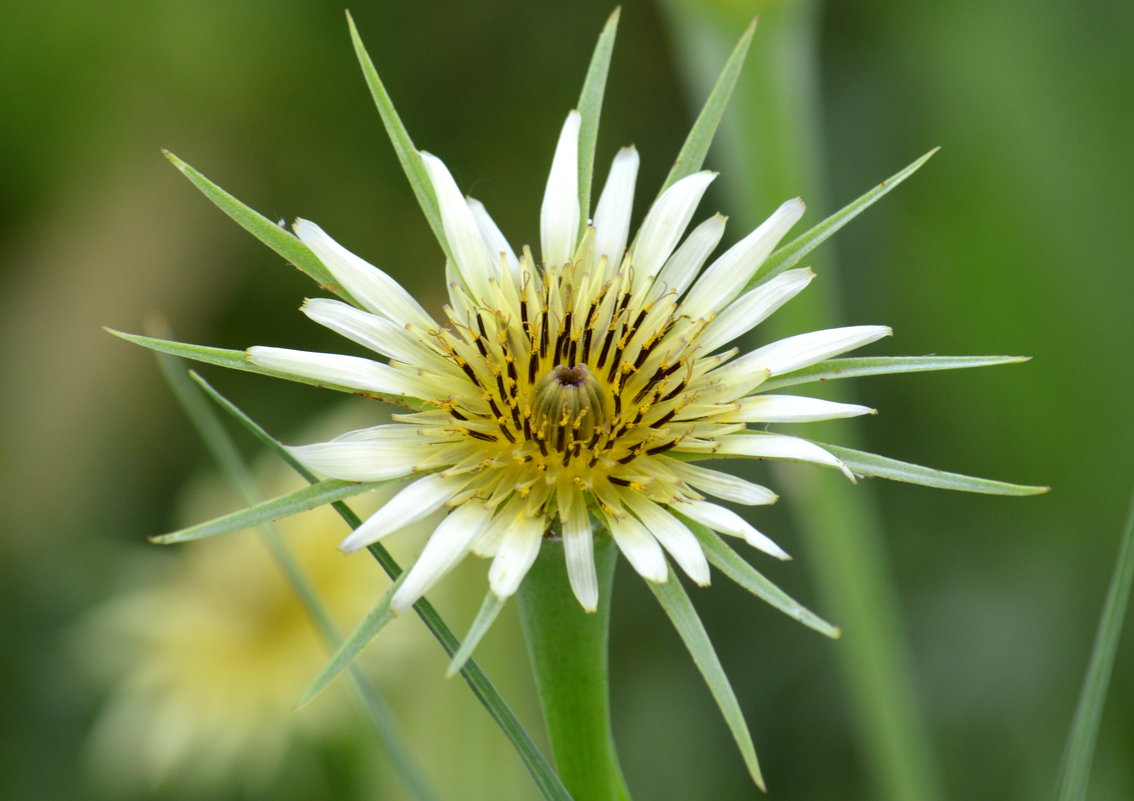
(682, 267)
(615, 205)
(804, 350)
(672, 534)
(666, 222)
(728, 275)
(559, 213)
(779, 446)
(578, 549)
(514, 557)
(792, 409)
(496, 242)
(722, 485)
(446, 547)
(366, 283)
(474, 261)
(379, 334)
(726, 521)
(349, 371)
(753, 308)
(639, 547)
(418, 500)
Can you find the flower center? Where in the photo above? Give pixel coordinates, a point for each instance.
(568, 404)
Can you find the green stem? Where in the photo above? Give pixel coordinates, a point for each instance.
(568, 649)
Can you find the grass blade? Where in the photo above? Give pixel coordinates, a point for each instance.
(674, 600)
(1076, 769)
(408, 155)
(292, 503)
(692, 154)
(590, 109)
(277, 238)
(348, 649)
(729, 562)
(871, 464)
(488, 612)
(238, 360)
(790, 254)
(544, 776)
(882, 365)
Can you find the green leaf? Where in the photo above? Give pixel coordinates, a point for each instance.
(292, 503)
(544, 776)
(238, 360)
(590, 108)
(790, 254)
(737, 568)
(278, 239)
(349, 648)
(674, 600)
(408, 155)
(692, 154)
(488, 612)
(881, 365)
(1076, 769)
(871, 464)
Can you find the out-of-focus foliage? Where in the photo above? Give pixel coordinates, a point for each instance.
(1015, 239)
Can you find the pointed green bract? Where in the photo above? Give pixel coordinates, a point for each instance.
(488, 612)
(1076, 769)
(545, 778)
(590, 109)
(871, 464)
(349, 648)
(790, 254)
(882, 365)
(238, 360)
(729, 562)
(674, 600)
(408, 155)
(292, 503)
(279, 239)
(692, 154)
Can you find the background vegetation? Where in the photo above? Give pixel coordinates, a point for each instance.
(1016, 238)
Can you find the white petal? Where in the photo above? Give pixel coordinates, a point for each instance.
(683, 266)
(672, 534)
(753, 308)
(612, 215)
(726, 521)
(447, 546)
(517, 551)
(666, 222)
(333, 368)
(559, 214)
(380, 334)
(578, 550)
(495, 241)
(418, 500)
(780, 446)
(722, 485)
(354, 460)
(472, 253)
(804, 350)
(792, 409)
(727, 276)
(639, 547)
(367, 284)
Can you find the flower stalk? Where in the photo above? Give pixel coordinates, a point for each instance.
(568, 650)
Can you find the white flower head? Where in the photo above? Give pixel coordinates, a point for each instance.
(563, 397)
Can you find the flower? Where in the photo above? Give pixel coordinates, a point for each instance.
(573, 391)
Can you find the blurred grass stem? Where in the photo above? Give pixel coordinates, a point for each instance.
(777, 157)
(1075, 772)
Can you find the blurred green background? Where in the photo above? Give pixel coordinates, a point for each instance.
(1016, 238)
